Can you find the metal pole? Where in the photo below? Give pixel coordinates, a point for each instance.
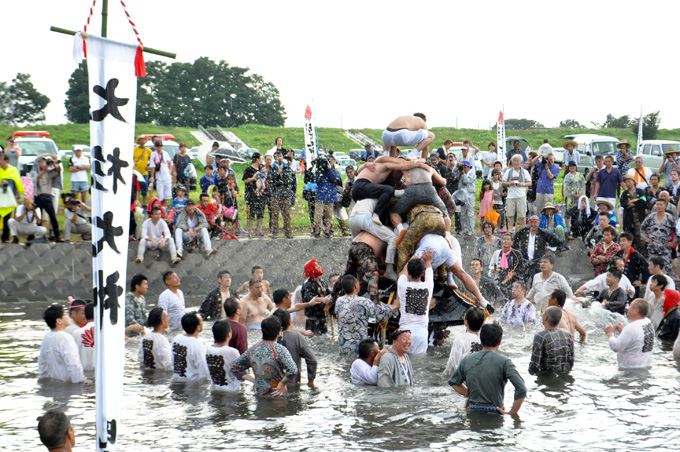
(105, 17)
(145, 49)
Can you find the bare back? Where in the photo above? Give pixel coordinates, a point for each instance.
(407, 122)
(568, 322)
(418, 176)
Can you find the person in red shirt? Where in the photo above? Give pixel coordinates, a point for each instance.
(210, 211)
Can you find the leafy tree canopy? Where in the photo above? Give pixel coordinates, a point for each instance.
(21, 103)
(650, 125)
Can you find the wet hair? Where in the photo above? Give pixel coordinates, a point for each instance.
(657, 261)
(627, 235)
(255, 156)
(609, 229)
(52, 314)
(616, 273)
(475, 318)
(365, 347)
(490, 335)
(167, 275)
(190, 322)
(522, 284)
(279, 295)
(155, 209)
(559, 296)
(53, 427)
(271, 327)
(554, 315)
(348, 283)
(478, 260)
(155, 317)
(231, 305)
(284, 317)
(255, 267)
(549, 258)
(641, 305)
(415, 268)
(208, 166)
(421, 116)
(254, 281)
(221, 330)
(660, 281)
(221, 273)
(89, 311)
(137, 280)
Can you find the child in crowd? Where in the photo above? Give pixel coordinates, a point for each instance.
(178, 203)
(207, 180)
(231, 204)
(262, 181)
(485, 200)
(497, 194)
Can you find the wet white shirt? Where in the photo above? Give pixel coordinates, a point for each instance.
(462, 345)
(155, 353)
(220, 360)
(188, 359)
(414, 298)
(84, 338)
(174, 306)
(364, 207)
(362, 373)
(600, 283)
(634, 345)
(59, 358)
(443, 252)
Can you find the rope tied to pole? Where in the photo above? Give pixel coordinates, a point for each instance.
(87, 23)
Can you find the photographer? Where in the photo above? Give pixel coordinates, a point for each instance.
(10, 187)
(27, 222)
(49, 172)
(280, 177)
(326, 194)
(547, 172)
(77, 215)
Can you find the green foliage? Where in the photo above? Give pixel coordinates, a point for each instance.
(207, 93)
(21, 103)
(650, 126)
(77, 101)
(571, 123)
(521, 124)
(613, 122)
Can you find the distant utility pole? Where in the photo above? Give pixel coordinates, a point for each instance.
(456, 122)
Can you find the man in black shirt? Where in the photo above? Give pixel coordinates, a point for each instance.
(254, 203)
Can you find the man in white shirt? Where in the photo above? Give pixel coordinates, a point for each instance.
(414, 299)
(188, 352)
(545, 282)
(599, 284)
(172, 299)
(78, 166)
(634, 345)
(84, 338)
(465, 343)
(220, 357)
(155, 350)
(545, 148)
(641, 174)
(517, 179)
(161, 172)
(27, 221)
(58, 352)
(364, 370)
(156, 235)
(656, 268)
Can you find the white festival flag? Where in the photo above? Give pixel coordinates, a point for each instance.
(500, 138)
(639, 143)
(310, 138)
(113, 99)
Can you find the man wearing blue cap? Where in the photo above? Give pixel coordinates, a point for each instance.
(468, 184)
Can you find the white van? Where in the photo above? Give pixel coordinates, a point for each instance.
(652, 152)
(590, 145)
(33, 144)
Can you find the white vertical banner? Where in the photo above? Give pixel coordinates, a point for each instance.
(310, 138)
(500, 138)
(639, 140)
(113, 99)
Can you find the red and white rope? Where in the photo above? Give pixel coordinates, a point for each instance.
(134, 27)
(90, 16)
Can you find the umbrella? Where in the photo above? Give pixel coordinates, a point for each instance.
(228, 154)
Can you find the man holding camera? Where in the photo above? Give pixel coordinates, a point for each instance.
(27, 222)
(49, 172)
(547, 173)
(326, 193)
(517, 179)
(10, 187)
(77, 215)
(280, 177)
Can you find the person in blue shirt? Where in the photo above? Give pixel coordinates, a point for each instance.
(327, 178)
(179, 202)
(552, 221)
(369, 152)
(207, 180)
(547, 173)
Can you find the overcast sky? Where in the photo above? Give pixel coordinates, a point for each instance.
(362, 63)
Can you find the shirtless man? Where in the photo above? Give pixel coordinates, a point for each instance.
(569, 321)
(255, 306)
(256, 273)
(370, 178)
(407, 131)
(362, 261)
(419, 190)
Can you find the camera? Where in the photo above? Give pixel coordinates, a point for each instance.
(321, 163)
(4, 184)
(288, 157)
(544, 161)
(49, 161)
(70, 201)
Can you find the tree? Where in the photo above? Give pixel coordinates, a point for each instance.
(650, 125)
(521, 124)
(5, 103)
(77, 101)
(612, 122)
(571, 124)
(27, 105)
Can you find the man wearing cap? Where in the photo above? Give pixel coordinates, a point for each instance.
(571, 155)
(608, 182)
(547, 173)
(407, 131)
(670, 162)
(368, 152)
(516, 179)
(552, 221)
(640, 174)
(624, 156)
(532, 241)
(192, 225)
(161, 172)
(468, 184)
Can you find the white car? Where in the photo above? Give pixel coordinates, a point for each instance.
(33, 144)
(652, 152)
(342, 162)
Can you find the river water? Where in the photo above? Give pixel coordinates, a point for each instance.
(597, 408)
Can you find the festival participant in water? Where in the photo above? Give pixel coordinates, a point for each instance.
(656, 268)
(532, 242)
(670, 325)
(353, 313)
(76, 312)
(614, 298)
(315, 289)
(656, 298)
(239, 334)
(361, 219)
(256, 273)
(569, 321)
(487, 287)
(188, 352)
(636, 268)
(362, 261)
(506, 266)
(255, 306)
(56, 432)
(220, 357)
(395, 367)
(422, 219)
(59, 357)
(364, 370)
(553, 348)
(519, 311)
(407, 131)
(212, 307)
(468, 342)
(414, 297)
(84, 338)
(545, 282)
(486, 393)
(155, 352)
(135, 305)
(172, 299)
(634, 345)
(298, 347)
(273, 367)
(487, 244)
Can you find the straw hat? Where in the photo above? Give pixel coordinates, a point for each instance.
(628, 177)
(140, 138)
(605, 202)
(548, 205)
(623, 142)
(570, 142)
(671, 150)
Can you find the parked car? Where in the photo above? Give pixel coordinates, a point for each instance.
(247, 153)
(356, 154)
(523, 144)
(558, 153)
(193, 152)
(33, 144)
(169, 144)
(342, 162)
(590, 145)
(653, 151)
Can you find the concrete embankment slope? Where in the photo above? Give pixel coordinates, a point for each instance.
(51, 272)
